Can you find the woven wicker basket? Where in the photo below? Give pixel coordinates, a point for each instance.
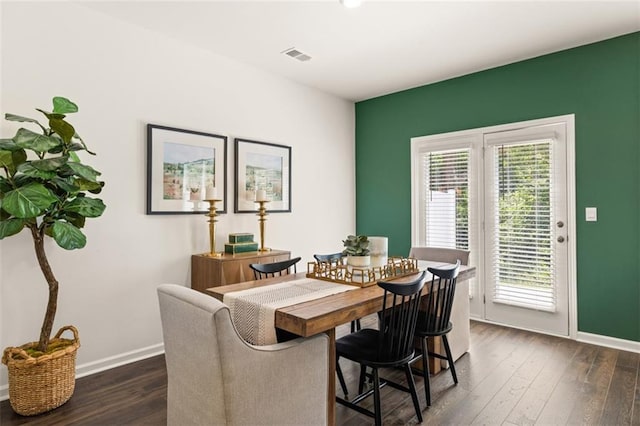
(38, 385)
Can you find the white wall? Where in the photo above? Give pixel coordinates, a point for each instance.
(123, 77)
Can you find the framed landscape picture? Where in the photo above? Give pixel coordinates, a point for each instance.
(262, 170)
(183, 168)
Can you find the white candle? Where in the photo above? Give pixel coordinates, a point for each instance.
(212, 193)
(261, 195)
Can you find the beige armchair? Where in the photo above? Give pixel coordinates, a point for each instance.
(215, 377)
(460, 334)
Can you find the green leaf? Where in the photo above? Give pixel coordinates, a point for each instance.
(51, 115)
(28, 201)
(34, 141)
(6, 160)
(19, 157)
(31, 171)
(63, 105)
(12, 160)
(56, 150)
(87, 185)
(85, 172)
(5, 186)
(66, 184)
(98, 189)
(68, 236)
(75, 219)
(10, 227)
(50, 164)
(3, 215)
(22, 180)
(8, 145)
(61, 127)
(88, 207)
(13, 117)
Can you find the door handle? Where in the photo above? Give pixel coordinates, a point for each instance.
(560, 224)
(561, 239)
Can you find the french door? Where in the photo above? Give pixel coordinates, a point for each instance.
(525, 232)
(502, 193)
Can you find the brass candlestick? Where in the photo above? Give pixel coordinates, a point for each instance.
(212, 228)
(262, 212)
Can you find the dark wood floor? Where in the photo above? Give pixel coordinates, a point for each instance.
(509, 377)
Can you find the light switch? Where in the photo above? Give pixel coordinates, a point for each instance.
(591, 214)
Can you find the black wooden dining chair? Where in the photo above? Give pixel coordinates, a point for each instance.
(334, 259)
(389, 347)
(268, 270)
(433, 319)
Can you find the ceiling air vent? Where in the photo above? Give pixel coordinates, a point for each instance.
(296, 54)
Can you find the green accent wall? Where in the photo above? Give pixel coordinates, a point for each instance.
(600, 84)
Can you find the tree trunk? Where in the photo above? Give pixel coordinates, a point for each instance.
(52, 305)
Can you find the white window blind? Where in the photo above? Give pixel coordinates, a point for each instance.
(446, 198)
(523, 252)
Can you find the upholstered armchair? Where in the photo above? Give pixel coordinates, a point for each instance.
(215, 377)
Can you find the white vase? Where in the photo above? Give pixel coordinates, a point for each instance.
(359, 261)
(378, 249)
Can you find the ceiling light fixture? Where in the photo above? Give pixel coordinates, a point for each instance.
(351, 3)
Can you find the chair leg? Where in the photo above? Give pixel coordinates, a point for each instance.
(376, 397)
(425, 370)
(452, 366)
(355, 325)
(343, 385)
(363, 376)
(414, 393)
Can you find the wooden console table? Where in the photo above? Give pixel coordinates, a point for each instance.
(207, 272)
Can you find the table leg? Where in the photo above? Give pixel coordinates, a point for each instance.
(331, 395)
(435, 345)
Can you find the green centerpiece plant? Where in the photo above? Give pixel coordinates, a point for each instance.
(44, 189)
(357, 250)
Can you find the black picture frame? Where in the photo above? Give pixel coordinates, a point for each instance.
(274, 163)
(179, 160)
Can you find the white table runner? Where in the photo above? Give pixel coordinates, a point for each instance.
(253, 311)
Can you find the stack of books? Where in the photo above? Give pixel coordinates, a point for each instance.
(240, 243)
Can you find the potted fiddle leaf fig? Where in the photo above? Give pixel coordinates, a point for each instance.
(45, 189)
(357, 250)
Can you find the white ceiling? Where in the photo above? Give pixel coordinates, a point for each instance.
(382, 46)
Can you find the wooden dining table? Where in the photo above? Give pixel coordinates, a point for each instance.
(323, 315)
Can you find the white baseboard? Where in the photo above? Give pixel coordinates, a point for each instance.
(581, 336)
(118, 360)
(610, 342)
(105, 364)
